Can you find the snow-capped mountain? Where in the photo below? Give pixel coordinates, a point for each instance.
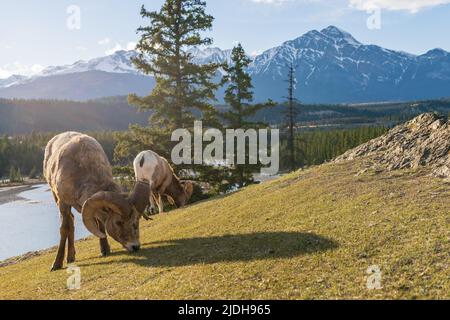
(119, 62)
(12, 80)
(210, 55)
(331, 67)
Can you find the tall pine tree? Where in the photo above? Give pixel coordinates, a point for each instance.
(239, 97)
(181, 85)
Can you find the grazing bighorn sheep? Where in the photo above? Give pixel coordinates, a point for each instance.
(149, 166)
(80, 176)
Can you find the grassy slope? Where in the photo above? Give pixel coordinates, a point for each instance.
(311, 234)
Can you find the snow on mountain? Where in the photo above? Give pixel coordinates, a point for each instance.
(210, 55)
(119, 62)
(331, 66)
(11, 81)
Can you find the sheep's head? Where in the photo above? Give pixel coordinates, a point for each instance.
(186, 188)
(119, 214)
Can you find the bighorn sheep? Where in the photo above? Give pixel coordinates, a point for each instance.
(80, 176)
(149, 166)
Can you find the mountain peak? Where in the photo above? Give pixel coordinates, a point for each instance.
(437, 52)
(339, 34)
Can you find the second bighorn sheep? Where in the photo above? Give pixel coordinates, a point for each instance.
(149, 166)
(80, 176)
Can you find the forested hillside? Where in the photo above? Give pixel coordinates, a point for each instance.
(26, 116)
(25, 153)
(114, 113)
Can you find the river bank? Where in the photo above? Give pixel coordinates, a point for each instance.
(12, 193)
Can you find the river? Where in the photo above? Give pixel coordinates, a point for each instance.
(31, 222)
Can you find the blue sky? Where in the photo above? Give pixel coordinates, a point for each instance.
(34, 34)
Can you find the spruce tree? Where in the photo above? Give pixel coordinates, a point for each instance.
(239, 98)
(181, 85)
(291, 115)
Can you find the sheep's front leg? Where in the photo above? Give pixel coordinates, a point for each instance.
(64, 233)
(105, 249)
(71, 239)
(153, 201)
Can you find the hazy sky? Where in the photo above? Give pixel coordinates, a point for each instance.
(35, 34)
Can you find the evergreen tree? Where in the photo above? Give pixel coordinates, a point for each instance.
(12, 174)
(181, 85)
(33, 173)
(291, 114)
(239, 97)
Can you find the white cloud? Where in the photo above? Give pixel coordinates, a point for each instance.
(116, 48)
(10, 69)
(131, 45)
(104, 41)
(119, 47)
(412, 6)
(4, 74)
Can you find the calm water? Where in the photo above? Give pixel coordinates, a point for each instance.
(32, 224)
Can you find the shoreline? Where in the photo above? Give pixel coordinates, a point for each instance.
(11, 193)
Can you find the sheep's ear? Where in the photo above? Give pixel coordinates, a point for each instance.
(189, 188)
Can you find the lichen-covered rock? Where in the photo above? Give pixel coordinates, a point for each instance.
(421, 142)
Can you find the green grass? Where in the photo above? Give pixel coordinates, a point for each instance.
(309, 235)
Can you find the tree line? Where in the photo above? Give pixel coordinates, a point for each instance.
(315, 147)
(22, 156)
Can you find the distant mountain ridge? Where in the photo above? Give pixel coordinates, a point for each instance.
(331, 67)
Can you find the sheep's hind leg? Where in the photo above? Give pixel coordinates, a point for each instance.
(153, 201)
(64, 232)
(160, 203)
(105, 249)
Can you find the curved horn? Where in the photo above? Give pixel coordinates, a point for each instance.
(139, 197)
(94, 207)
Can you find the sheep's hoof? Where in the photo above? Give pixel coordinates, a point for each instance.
(56, 267)
(105, 252)
(70, 260)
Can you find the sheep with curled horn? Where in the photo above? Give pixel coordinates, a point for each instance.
(80, 176)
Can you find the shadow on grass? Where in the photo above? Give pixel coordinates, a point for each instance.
(228, 248)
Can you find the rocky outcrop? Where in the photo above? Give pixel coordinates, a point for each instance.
(421, 142)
